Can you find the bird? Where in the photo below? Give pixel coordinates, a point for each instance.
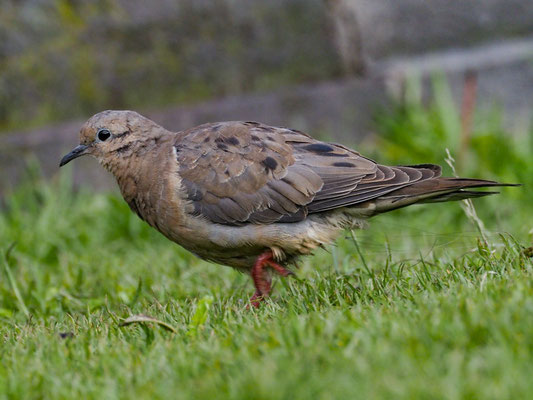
(252, 196)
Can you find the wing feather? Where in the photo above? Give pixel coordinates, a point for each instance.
(245, 172)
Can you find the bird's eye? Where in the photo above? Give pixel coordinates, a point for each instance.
(103, 135)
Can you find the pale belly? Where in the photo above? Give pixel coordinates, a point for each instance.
(239, 246)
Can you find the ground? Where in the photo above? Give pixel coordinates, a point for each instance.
(407, 309)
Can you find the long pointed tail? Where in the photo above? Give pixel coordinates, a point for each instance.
(435, 191)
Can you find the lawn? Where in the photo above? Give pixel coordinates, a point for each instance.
(416, 306)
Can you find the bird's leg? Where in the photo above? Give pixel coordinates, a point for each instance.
(262, 279)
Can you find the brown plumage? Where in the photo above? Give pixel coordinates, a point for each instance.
(249, 195)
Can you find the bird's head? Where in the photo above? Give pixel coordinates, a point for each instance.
(110, 135)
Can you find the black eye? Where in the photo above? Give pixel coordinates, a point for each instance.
(103, 135)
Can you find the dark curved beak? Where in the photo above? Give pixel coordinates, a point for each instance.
(75, 153)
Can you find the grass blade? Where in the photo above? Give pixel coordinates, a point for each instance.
(13, 282)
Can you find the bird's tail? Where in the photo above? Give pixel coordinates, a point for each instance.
(435, 191)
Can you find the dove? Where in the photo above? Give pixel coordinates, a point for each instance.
(251, 196)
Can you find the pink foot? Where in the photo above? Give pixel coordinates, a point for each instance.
(261, 280)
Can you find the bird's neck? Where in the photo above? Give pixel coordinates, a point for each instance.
(141, 174)
(128, 157)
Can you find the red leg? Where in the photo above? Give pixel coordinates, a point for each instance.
(279, 268)
(261, 278)
(256, 300)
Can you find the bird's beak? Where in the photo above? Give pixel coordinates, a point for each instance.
(75, 153)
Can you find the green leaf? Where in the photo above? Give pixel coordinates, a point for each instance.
(200, 316)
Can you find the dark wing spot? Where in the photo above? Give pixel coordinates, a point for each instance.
(233, 140)
(338, 155)
(318, 148)
(270, 163)
(343, 164)
(256, 138)
(207, 139)
(222, 146)
(265, 128)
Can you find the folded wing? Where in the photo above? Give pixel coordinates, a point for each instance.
(244, 172)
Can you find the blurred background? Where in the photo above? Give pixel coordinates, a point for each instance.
(400, 80)
(431, 302)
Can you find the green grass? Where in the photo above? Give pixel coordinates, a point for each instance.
(434, 314)
(414, 307)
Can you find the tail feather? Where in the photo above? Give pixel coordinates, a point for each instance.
(458, 195)
(435, 191)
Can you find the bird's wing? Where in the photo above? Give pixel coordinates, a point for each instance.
(246, 172)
